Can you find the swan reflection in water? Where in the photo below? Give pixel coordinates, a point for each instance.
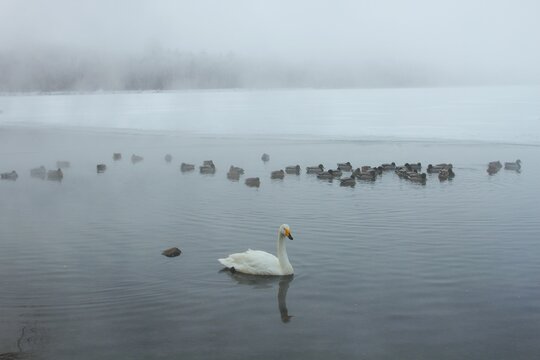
(264, 282)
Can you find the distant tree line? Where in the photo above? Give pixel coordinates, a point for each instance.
(60, 70)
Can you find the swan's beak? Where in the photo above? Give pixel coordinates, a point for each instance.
(288, 234)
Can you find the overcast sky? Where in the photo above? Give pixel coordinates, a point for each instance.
(456, 35)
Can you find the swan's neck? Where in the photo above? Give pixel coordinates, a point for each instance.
(284, 263)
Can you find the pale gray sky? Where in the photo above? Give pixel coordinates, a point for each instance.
(459, 35)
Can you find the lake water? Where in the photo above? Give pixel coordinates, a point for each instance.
(497, 114)
(385, 270)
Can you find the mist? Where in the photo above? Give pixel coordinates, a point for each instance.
(140, 45)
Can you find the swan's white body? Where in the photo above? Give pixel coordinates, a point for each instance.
(256, 262)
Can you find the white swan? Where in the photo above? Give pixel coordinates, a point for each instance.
(258, 262)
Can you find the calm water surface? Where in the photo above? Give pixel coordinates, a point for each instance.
(386, 270)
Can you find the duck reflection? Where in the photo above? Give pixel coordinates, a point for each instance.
(264, 282)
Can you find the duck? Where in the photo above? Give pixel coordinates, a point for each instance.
(253, 182)
(350, 181)
(417, 177)
(256, 262)
(437, 168)
(345, 166)
(446, 173)
(265, 157)
(378, 170)
(187, 167)
(9, 175)
(101, 168)
(315, 169)
(39, 172)
(207, 167)
(401, 171)
(368, 175)
(293, 169)
(388, 167)
(417, 166)
(136, 158)
(279, 174)
(237, 169)
(326, 175)
(168, 158)
(445, 165)
(494, 167)
(233, 174)
(56, 175)
(336, 173)
(513, 165)
(117, 156)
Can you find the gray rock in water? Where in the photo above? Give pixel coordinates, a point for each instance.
(265, 157)
(172, 252)
(117, 156)
(101, 168)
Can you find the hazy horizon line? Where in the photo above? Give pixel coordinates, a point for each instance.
(64, 69)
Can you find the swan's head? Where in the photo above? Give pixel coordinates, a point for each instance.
(285, 231)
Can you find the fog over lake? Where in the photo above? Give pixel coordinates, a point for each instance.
(59, 45)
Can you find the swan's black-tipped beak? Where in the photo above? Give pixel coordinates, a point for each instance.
(290, 236)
